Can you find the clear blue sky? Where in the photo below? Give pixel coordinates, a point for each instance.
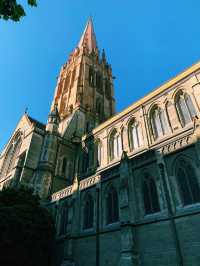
(147, 43)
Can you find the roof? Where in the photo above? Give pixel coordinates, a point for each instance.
(37, 123)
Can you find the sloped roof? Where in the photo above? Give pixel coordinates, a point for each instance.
(37, 123)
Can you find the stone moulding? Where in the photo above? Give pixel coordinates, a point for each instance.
(68, 191)
(62, 194)
(88, 182)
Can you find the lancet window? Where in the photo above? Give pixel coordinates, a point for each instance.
(115, 145)
(159, 122)
(99, 83)
(185, 108)
(112, 206)
(150, 195)
(187, 182)
(91, 76)
(135, 135)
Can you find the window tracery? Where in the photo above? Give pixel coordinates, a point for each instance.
(187, 183)
(185, 108)
(159, 122)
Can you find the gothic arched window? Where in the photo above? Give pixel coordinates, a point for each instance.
(150, 195)
(112, 206)
(187, 183)
(91, 76)
(107, 88)
(64, 166)
(159, 122)
(135, 135)
(63, 220)
(88, 212)
(99, 109)
(185, 108)
(115, 145)
(99, 82)
(11, 156)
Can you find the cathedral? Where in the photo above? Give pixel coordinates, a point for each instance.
(123, 188)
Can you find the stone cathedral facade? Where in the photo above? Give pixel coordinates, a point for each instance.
(124, 189)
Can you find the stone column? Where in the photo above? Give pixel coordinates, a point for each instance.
(129, 252)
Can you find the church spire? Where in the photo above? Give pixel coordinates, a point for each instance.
(88, 37)
(85, 83)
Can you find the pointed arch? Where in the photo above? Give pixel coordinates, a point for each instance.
(99, 109)
(134, 134)
(185, 107)
(187, 181)
(112, 205)
(99, 82)
(115, 145)
(11, 155)
(91, 76)
(158, 121)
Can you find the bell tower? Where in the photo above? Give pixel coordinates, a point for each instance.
(85, 83)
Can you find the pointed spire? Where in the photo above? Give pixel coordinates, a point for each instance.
(88, 38)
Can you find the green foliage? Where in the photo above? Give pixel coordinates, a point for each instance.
(10, 9)
(27, 232)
